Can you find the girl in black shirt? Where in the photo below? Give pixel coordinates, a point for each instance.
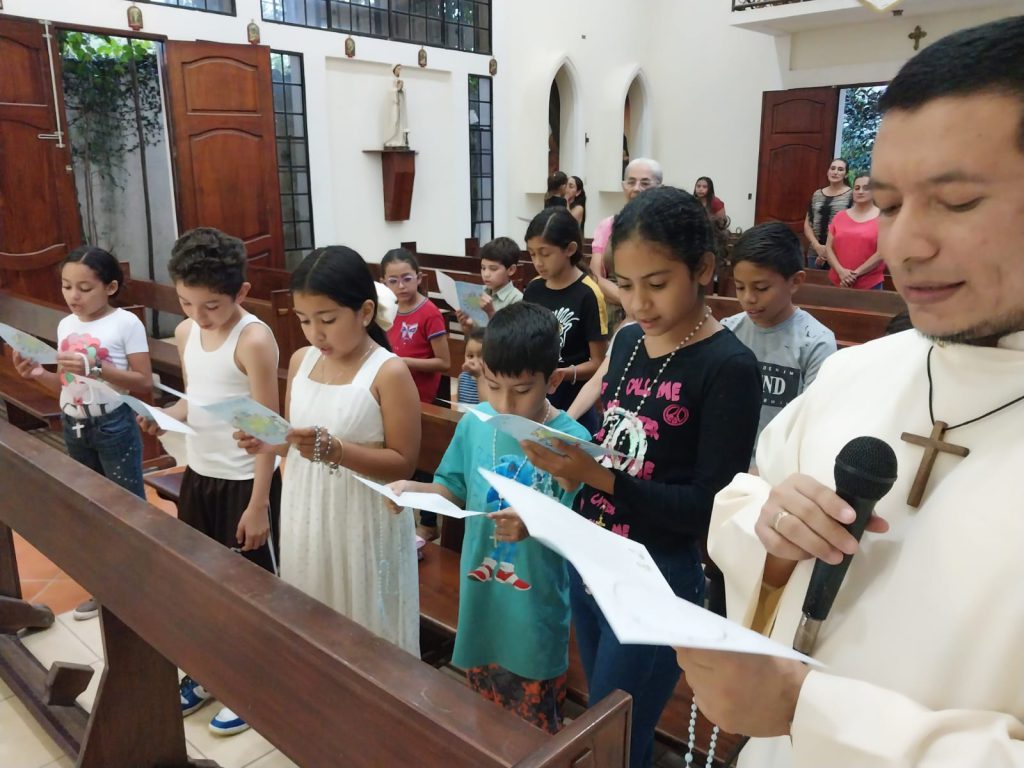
(681, 400)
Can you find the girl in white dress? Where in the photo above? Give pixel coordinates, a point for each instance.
(350, 403)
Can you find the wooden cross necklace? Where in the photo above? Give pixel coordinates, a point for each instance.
(934, 445)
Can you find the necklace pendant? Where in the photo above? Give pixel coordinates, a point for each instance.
(600, 521)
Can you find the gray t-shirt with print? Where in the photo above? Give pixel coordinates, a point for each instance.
(789, 354)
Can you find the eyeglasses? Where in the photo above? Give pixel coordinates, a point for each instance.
(641, 183)
(403, 280)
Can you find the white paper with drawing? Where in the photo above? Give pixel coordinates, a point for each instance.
(463, 297)
(431, 502)
(524, 429)
(251, 417)
(29, 347)
(637, 602)
(151, 412)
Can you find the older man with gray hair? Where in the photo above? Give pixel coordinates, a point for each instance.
(641, 173)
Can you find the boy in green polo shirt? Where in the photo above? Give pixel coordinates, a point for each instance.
(499, 260)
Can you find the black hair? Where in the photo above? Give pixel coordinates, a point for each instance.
(476, 333)
(207, 257)
(984, 59)
(340, 274)
(103, 264)
(503, 250)
(522, 338)
(559, 228)
(710, 196)
(899, 323)
(399, 256)
(772, 245)
(671, 218)
(556, 181)
(580, 199)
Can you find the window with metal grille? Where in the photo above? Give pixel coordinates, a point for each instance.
(481, 158)
(292, 154)
(213, 6)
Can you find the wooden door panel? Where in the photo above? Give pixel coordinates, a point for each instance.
(225, 148)
(798, 133)
(38, 211)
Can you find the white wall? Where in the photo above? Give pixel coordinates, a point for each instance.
(347, 112)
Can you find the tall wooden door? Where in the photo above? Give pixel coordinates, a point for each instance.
(39, 221)
(223, 143)
(798, 136)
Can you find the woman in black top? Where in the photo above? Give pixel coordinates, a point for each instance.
(576, 201)
(681, 400)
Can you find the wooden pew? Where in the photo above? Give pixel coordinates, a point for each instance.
(828, 295)
(820, 277)
(524, 274)
(327, 691)
(850, 326)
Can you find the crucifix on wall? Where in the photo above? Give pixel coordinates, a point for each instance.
(916, 36)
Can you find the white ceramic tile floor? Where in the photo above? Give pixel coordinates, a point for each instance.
(23, 744)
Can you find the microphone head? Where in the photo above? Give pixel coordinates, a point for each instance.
(865, 468)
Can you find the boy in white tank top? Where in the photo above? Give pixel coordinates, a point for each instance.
(225, 352)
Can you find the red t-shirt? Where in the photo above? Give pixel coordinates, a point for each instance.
(410, 336)
(854, 242)
(716, 207)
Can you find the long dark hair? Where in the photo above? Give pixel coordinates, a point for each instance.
(102, 263)
(557, 227)
(580, 199)
(340, 274)
(710, 196)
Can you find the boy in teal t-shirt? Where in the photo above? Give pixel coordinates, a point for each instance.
(513, 637)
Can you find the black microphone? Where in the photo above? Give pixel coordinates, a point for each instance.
(865, 471)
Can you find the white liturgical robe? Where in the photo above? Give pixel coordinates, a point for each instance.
(924, 646)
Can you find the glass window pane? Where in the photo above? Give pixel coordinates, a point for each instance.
(399, 27)
(316, 14)
(304, 235)
(278, 97)
(418, 30)
(485, 88)
(435, 32)
(293, 99)
(485, 141)
(302, 207)
(285, 179)
(298, 152)
(297, 126)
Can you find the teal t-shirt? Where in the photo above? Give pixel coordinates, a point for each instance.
(526, 632)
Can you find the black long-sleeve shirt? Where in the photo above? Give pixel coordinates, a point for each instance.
(695, 432)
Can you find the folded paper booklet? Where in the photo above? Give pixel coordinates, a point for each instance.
(251, 417)
(147, 411)
(29, 347)
(631, 591)
(429, 502)
(524, 429)
(463, 297)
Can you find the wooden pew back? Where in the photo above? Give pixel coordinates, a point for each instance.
(327, 692)
(851, 326)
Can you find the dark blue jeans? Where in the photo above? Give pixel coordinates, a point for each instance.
(648, 673)
(110, 444)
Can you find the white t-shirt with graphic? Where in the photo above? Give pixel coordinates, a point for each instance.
(110, 339)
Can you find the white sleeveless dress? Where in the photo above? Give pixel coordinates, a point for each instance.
(339, 542)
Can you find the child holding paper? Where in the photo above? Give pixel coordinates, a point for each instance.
(681, 399)
(349, 403)
(226, 352)
(499, 260)
(513, 633)
(102, 342)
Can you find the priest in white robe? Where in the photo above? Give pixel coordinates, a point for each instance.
(924, 646)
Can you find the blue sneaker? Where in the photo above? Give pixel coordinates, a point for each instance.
(227, 723)
(193, 696)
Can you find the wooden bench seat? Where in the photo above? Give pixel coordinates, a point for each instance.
(30, 405)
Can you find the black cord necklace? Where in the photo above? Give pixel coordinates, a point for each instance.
(931, 393)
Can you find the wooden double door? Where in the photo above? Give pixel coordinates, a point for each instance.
(223, 152)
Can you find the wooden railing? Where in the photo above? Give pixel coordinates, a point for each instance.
(321, 688)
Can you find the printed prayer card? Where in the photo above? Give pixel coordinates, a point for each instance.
(524, 429)
(29, 347)
(431, 502)
(251, 417)
(463, 297)
(637, 602)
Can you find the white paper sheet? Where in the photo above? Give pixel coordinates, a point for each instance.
(430, 502)
(251, 417)
(28, 346)
(463, 297)
(524, 429)
(151, 412)
(636, 600)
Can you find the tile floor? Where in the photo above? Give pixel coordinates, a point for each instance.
(24, 744)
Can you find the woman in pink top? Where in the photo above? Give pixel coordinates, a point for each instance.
(852, 245)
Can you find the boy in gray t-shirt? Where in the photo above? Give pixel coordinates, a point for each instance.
(789, 343)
